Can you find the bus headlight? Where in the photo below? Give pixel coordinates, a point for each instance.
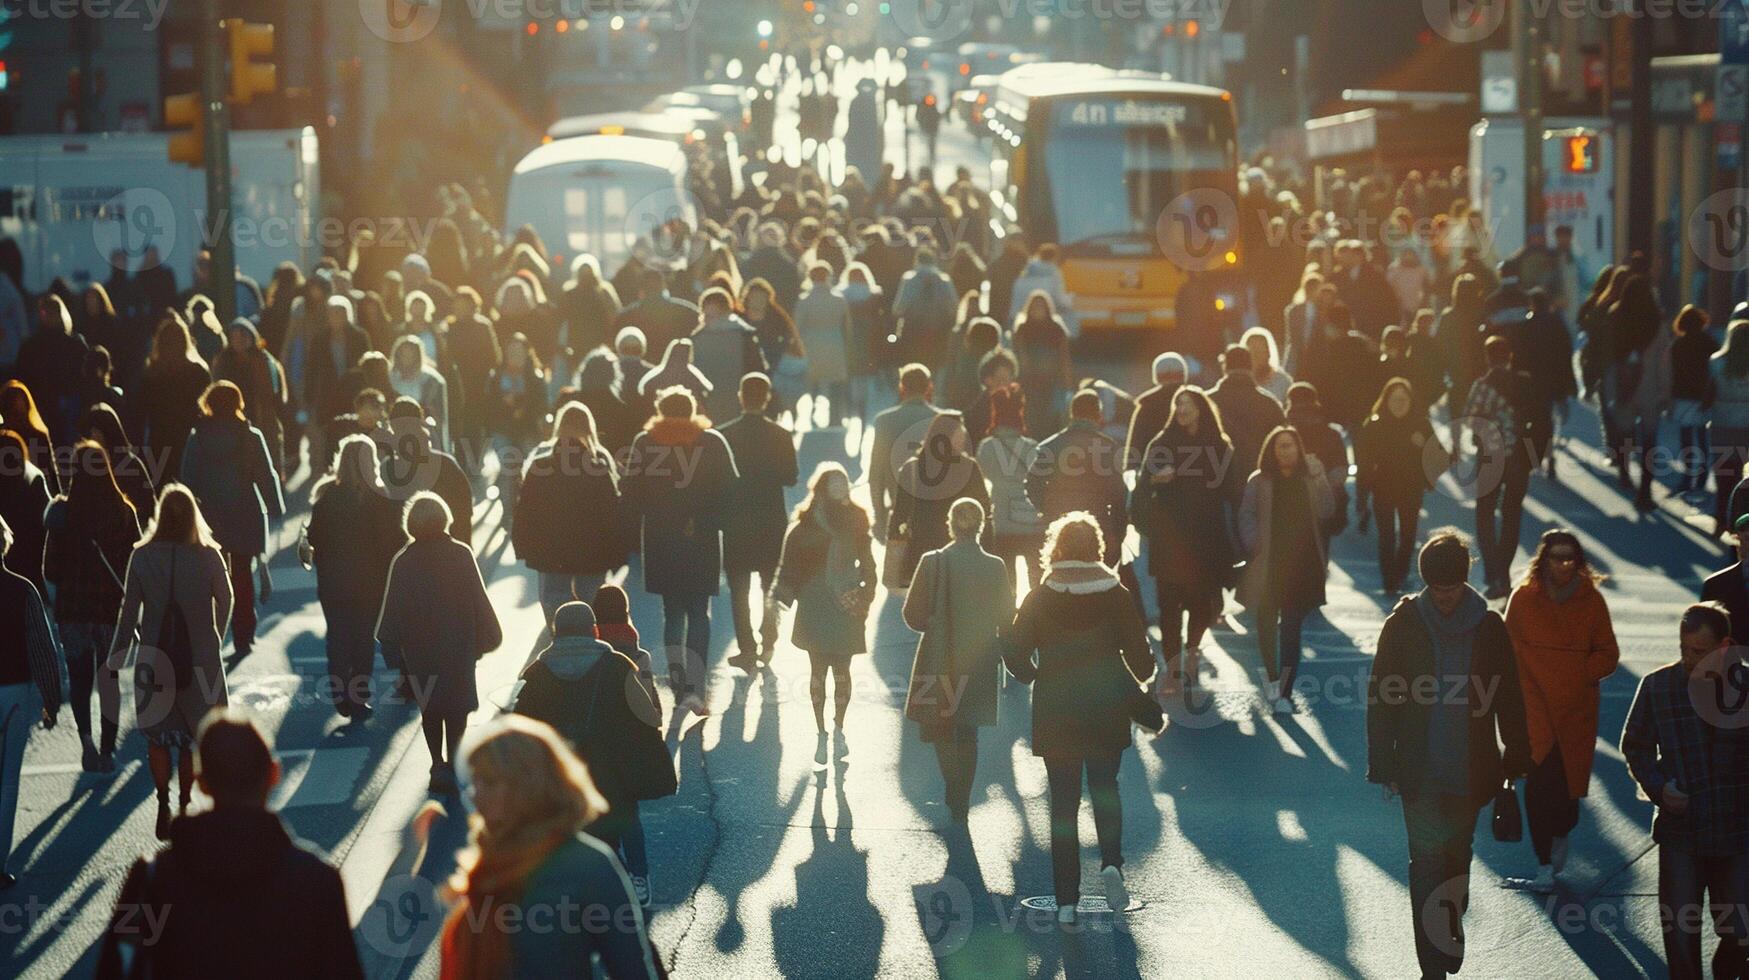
(1225, 302)
(1232, 257)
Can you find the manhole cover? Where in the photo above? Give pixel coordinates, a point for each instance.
(1089, 904)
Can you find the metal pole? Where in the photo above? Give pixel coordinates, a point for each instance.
(222, 270)
(1641, 159)
(1528, 40)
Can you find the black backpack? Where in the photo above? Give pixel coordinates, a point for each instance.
(174, 639)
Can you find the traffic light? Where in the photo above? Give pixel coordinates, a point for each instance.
(183, 112)
(248, 77)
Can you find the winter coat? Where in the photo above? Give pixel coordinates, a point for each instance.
(262, 381)
(1081, 468)
(963, 592)
(355, 533)
(1153, 410)
(203, 593)
(1397, 719)
(24, 497)
(1006, 457)
(725, 351)
(756, 514)
(777, 267)
(568, 513)
(131, 473)
(1091, 651)
(1043, 276)
(923, 496)
(1731, 398)
(824, 569)
(678, 480)
(584, 874)
(923, 310)
(1564, 650)
(1042, 348)
(1248, 415)
(823, 320)
(590, 693)
(1398, 460)
(234, 479)
(513, 408)
(898, 431)
(85, 560)
(239, 898)
(166, 404)
(1344, 369)
(50, 364)
(436, 612)
(1184, 519)
(1323, 439)
(1256, 523)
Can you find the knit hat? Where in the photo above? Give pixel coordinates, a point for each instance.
(574, 619)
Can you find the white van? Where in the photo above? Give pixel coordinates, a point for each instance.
(597, 195)
(72, 202)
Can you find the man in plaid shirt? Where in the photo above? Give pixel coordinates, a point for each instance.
(1687, 745)
(1504, 462)
(30, 687)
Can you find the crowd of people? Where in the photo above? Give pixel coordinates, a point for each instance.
(646, 417)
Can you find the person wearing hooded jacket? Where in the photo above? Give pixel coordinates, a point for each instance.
(1044, 274)
(235, 894)
(678, 479)
(233, 477)
(594, 698)
(676, 368)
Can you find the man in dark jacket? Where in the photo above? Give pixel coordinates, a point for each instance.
(1730, 587)
(414, 464)
(1154, 406)
(1444, 682)
(898, 431)
(30, 687)
(1248, 413)
(753, 529)
(660, 316)
(1343, 364)
(1542, 349)
(49, 364)
(234, 895)
(1081, 468)
(1498, 417)
(772, 262)
(1320, 437)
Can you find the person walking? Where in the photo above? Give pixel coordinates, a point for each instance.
(102, 425)
(514, 413)
(1006, 455)
(596, 698)
(823, 319)
(923, 310)
(24, 498)
(724, 349)
(1692, 394)
(246, 363)
(91, 530)
(567, 526)
(412, 375)
(898, 432)
(176, 600)
(683, 512)
(756, 518)
(1691, 759)
(1397, 458)
(234, 894)
(961, 600)
(1561, 633)
(1281, 522)
(1080, 641)
(232, 475)
(411, 463)
(352, 538)
(1445, 756)
(1248, 413)
(1499, 429)
(828, 573)
(929, 482)
(1041, 344)
(1728, 428)
(613, 624)
(529, 852)
(437, 614)
(30, 689)
(1081, 468)
(166, 402)
(1179, 507)
(1154, 406)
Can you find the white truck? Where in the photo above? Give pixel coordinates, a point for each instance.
(1578, 184)
(78, 203)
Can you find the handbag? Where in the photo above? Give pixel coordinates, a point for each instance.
(893, 562)
(934, 655)
(1508, 818)
(174, 639)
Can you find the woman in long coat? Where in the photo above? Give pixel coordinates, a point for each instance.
(823, 320)
(232, 474)
(1566, 646)
(1392, 456)
(166, 402)
(177, 565)
(828, 572)
(1092, 655)
(246, 363)
(1281, 520)
(353, 535)
(928, 483)
(678, 477)
(960, 600)
(437, 614)
(567, 524)
(1179, 507)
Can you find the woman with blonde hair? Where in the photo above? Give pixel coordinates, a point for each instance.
(569, 478)
(166, 402)
(176, 600)
(527, 852)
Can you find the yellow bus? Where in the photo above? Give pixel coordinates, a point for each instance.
(1134, 177)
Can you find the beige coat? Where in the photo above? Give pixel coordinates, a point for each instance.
(823, 321)
(203, 591)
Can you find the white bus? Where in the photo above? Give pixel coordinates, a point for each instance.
(596, 195)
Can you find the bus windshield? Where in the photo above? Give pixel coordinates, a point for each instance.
(1114, 164)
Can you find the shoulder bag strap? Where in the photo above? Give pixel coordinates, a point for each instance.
(942, 597)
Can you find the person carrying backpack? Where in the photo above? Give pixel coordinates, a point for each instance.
(924, 311)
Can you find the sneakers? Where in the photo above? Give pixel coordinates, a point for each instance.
(89, 760)
(1117, 894)
(1544, 882)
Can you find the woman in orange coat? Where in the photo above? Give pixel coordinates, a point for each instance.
(1566, 646)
